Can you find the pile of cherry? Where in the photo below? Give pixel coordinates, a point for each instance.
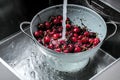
(78, 38)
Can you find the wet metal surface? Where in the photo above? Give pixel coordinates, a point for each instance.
(22, 55)
(112, 3)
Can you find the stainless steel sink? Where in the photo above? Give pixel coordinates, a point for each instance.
(23, 56)
(112, 45)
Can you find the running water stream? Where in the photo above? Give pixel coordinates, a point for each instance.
(64, 19)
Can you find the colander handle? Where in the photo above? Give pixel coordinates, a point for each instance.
(112, 22)
(21, 27)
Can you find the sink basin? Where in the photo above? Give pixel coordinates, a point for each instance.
(18, 51)
(112, 45)
(22, 55)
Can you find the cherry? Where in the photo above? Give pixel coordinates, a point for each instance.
(76, 29)
(54, 42)
(96, 41)
(61, 21)
(91, 40)
(47, 24)
(76, 45)
(40, 32)
(56, 36)
(66, 51)
(70, 47)
(48, 31)
(62, 42)
(84, 47)
(50, 46)
(59, 17)
(36, 34)
(46, 39)
(77, 39)
(56, 21)
(56, 45)
(74, 39)
(86, 33)
(60, 35)
(60, 29)
(58, 50)
(80, 37)
(64, 46)
(77, 49)
(68, 26)
(40, 40)
(68, 19)
(79, 42)
(84, 40)
(67, 33)
(75, 35)
(54, 30)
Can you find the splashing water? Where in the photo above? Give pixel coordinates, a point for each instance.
(34, 67)
(64, 19)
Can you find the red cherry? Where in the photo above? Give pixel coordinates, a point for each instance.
(80, 37)
(56, 36)
(77, 49)
(56, 45)
(84, 40)
(96, 41)
(46, 39)
(68, 19)
(58, 50)
(76, 45)
(48, 32)
(60, 35)
(76, 29)
(54, 42)
(50, 46)
(40, 40)
(47, 24)
(54, 30)
(56, 21)
(62, 42)
(66, 51)
(70, 47)
(59, 17)
(61, 21)
(40, 32)
(68, 26)
(79, 42)
(75, 35)
(74, 39)
(67, 33)
(64, 47)
(60, 29)
(36, 34)
(86, 33)
(91, 40)
(51, 33)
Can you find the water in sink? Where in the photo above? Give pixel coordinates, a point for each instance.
(34, 67)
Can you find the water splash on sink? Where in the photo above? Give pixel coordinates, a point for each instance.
(34, 67)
